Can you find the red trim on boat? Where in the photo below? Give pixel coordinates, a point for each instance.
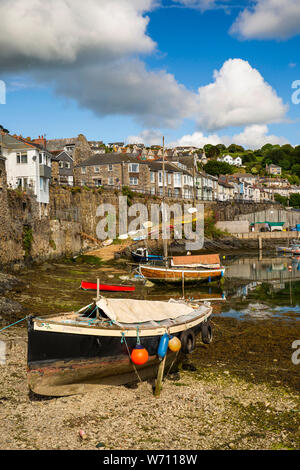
(106, 287)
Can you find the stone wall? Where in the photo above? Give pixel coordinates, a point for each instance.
(26, 233)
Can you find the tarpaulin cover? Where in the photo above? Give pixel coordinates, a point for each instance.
(212, 261)
(139, 311)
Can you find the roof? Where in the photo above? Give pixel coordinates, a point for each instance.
(108, 159)
(59, 144)
(18, 143)
(157, 165)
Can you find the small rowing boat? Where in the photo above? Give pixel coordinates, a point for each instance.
(141, 255)
(106, 287)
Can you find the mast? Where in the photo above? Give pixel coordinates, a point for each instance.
(163, 203)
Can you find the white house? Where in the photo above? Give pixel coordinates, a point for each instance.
(230, 160)
(28, 166)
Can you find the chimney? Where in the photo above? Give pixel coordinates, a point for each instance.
(40, 141)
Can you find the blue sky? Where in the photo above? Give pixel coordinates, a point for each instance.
(62, 97)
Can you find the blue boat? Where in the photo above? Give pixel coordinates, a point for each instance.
(141, 255)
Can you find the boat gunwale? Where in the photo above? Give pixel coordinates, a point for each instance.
(99, 330)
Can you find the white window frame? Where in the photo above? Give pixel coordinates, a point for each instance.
(130, 168)
(20, 155)
(134, 181)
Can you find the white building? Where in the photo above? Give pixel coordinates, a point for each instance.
(230, 160)
(28, 166)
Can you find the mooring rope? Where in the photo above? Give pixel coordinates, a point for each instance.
(19, 321)
(123, 339)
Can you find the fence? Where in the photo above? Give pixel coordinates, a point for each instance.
(172, 194)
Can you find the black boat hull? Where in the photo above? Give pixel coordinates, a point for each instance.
(61, 364)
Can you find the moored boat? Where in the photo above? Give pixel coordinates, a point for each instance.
(141, 255)
(85, 285)
(191, 269)
(72, 353)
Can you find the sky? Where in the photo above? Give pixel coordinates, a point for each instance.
(193, 71)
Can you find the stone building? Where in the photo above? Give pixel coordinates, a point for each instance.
(113, 170)
(62, 168)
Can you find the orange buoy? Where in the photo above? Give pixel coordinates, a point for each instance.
(139, 355)
(175, 344)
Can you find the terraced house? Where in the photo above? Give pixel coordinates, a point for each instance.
(116, 170)
(113, 170)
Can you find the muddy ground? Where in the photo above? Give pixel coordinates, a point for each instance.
(240, 392)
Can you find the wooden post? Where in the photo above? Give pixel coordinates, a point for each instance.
(160, 374)
(183, 284)
(260, 243)
(98, 289)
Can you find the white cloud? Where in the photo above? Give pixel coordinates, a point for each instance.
(127, 88)
(36, 31)
(197, 139)
(252, 137)
(88, 51)
(238, 96)
(148, 137)
(269, 19)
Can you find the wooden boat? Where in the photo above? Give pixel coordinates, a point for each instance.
(141, 255)
(72, 353)
(106, 287)
(190, 269)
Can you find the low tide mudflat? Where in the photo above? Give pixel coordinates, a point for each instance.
(240, 392)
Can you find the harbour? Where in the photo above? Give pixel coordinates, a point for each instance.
(247, 367)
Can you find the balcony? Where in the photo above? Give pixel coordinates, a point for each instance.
(45, 171)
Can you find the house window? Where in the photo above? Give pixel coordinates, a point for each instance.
(152, 190)
(169, 178)
(22, 158)
(110, 181)
(83, 170)
(97, 169)
(61, 164)
(134, 181)
(98, 182)
(177, 180)
(133, 168)
(110, 168)
(184, 179)
(68, 165)
(152, 177)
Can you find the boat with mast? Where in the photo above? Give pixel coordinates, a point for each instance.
(191, 269)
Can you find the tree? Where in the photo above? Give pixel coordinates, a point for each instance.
(211, 151)
(233, 148)
(296, 169)
(295, 200)
(215, 168)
